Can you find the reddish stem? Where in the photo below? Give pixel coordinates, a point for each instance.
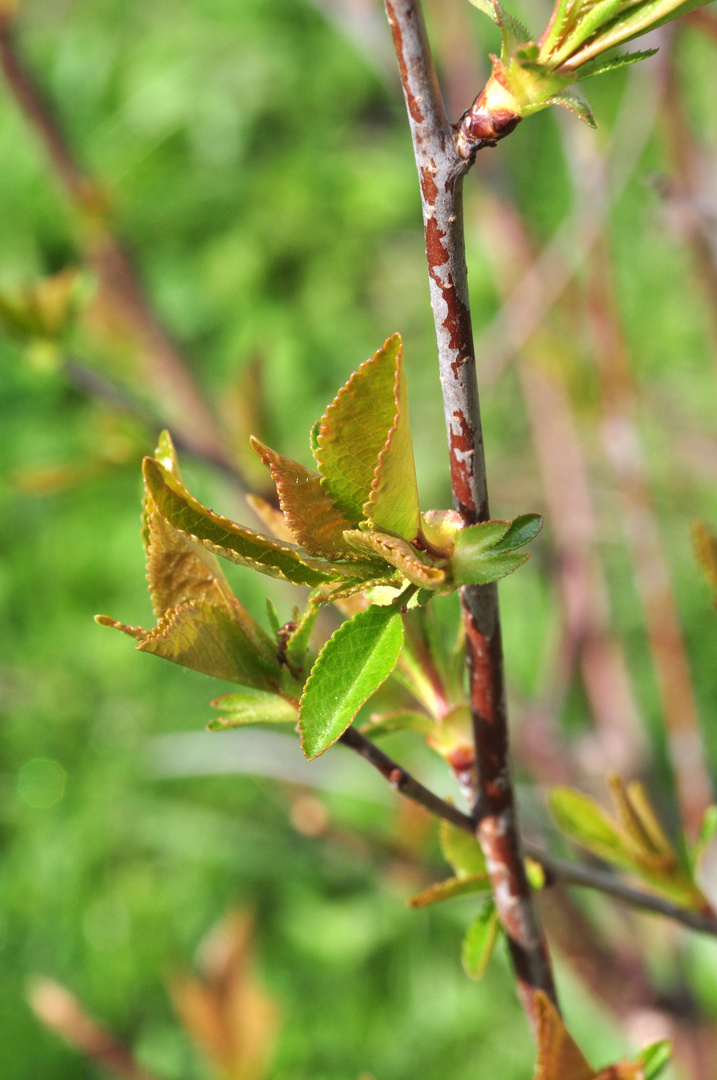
(441, 167)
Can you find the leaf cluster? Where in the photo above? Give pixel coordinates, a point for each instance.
(529, 75)
(350, 530)
(634, 840)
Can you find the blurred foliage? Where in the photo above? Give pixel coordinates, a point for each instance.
(260, 168)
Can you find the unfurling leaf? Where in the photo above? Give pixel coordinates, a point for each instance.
(251, 707)
(488, 551)
(560, 1058)
(705, 546)
(635, 842)
(224, 1008)
(479, 941)
(353, 663)
(235, 542)
(397, 553)
(364, 449)
(309, 513)
(655, 1059)
(529, 75)
(585, 821)
(446, 890)
(461, 850)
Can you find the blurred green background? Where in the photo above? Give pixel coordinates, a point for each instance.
(256, 160)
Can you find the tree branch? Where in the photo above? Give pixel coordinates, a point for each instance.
(403, 782)
(441, 165)
(604, 881)
(556, 870)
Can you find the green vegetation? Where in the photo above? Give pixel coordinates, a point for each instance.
(256, 161)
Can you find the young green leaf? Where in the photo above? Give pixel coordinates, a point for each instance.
(365, 454)
(237, 543)
(585, 821)
(392, 505)
(251, 707)
(353, 663)
(575, 104)
(487, 552)
(655, 1059)
(209, 638)
(448, 889)
(461, 850)
(520, 531)
(708, 831)
(479, 941)
(601, 66)
(398, 553)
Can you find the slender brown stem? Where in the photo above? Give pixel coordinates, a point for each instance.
(563, 870)
(441, 167)
(604, 881)
(60, 1011)
(403, 782)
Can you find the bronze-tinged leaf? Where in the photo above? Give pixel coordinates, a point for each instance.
(398, 553)
(446, 890)
(209, 638)
(135, 632)
(341, 591)
(559, 1056)
(705, 545)
(310, 514)
(235, 542)
(225, 1009)
(624, 1070)
(355, 429)
(392, 505)
(179, 570)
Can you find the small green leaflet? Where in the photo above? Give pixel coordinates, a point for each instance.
(446, 890)
(251, 707)
(461, 850)
(479, 941)
(488, 551)
(655, 1058)
(353, 663)
(364, 449)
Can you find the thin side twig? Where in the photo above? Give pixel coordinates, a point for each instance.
(61, 1012)
(404, 782)
(563, 870)
(441, 167)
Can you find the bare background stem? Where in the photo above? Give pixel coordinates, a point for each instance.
(121, 298)
(441, 169)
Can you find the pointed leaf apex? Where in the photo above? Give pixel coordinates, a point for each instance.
(166, 453)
